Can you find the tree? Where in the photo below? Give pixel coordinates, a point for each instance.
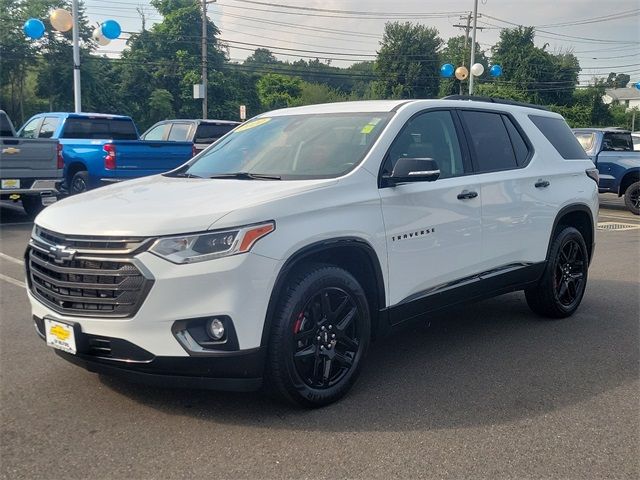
(313, 93)
(278, 91)
(544, 77)
(617, 80)
(261, 56)
(407, 65)
(160, 105)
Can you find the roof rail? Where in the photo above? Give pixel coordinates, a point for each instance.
(502, 101)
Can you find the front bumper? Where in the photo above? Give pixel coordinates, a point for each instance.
(232, 371)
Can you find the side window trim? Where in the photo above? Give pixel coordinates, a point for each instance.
(502, 113)
(464, 149)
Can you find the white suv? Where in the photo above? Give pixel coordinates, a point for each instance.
(283, 249)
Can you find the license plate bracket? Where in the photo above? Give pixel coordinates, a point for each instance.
(60, 335)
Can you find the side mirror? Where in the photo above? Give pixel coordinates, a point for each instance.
(409, 170)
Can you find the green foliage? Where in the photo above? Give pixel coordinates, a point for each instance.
(408, 61)
(617, 80)
(278, 91)
(313, 93)
(546, 78)
(161, 104)
(501, 90)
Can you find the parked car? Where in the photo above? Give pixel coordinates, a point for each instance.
(201, 132)
(100, 149)
(611, 149)
(280, 253)
(30, 169)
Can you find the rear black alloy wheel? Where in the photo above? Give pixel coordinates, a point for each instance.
(632, 198)
(319, 336)
(326, 338)
(561, 288)
(79, 182)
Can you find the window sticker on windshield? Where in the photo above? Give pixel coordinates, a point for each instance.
(368, 128)
(252, 124)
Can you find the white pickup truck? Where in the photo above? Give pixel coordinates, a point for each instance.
(30, 168)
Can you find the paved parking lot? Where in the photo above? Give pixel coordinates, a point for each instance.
(484, 391)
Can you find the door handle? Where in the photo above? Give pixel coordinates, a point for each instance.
(542, 184)
(467, 194)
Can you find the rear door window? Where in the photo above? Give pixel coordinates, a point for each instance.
(560, 136)
(30, 130)
(100, 128)
(179, 132)
(586, 140)
(489, 140)
(209, 133)
(49, 127)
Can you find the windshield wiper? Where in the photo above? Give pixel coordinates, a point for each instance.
(184, 175)
(247, 176)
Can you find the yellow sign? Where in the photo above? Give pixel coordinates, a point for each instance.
(59, 332)
(252, 124)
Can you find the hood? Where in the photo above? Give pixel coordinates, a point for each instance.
(161, 205)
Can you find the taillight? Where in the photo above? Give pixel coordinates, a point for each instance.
(593, 174)
(110, 158)
(59, 158)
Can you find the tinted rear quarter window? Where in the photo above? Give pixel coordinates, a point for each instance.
(209, 133)
(490, 141)
(560, 136)
(100, 128)
(519, 145)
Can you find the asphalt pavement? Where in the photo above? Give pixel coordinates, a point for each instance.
(482, 391)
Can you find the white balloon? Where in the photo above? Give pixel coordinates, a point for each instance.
(99, 37)
(477, 69)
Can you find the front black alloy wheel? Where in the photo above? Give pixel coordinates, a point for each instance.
(561, 288)
(319, 336)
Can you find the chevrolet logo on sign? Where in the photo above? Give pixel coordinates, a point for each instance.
(61, 254)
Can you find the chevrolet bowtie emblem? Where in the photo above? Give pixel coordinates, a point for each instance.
(10, 150)
(60, 253)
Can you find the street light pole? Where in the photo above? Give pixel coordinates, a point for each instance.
(204, 59)
(77, 98)
(473, 44)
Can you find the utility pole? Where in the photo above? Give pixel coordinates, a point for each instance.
(204, 59)
(473, 44)
(77, 98)
(466, 28)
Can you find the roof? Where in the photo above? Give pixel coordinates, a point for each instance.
(201, 120)
(382, 106)
(627, 93)
(602, 129)
(84, 115)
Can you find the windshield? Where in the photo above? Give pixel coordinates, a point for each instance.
(292, 147)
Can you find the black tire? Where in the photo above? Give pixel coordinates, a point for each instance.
(79, 182)
(32, 205)
(319, 336)
(632, 198)
(561, 288)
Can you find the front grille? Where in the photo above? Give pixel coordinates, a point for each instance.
(85, 284)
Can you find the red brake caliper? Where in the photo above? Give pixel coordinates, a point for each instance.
(298, 323)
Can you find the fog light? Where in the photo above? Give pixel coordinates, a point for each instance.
(215, 329)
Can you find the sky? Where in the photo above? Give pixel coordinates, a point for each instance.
(605, 36)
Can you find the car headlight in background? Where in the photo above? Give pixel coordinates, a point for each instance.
(209, 245)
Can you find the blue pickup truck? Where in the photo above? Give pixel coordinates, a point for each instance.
(611, 150)
(98, 149)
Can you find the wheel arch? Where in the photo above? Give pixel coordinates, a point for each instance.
(355, 255)
(629, 177)
(74, 168)
(579, 216)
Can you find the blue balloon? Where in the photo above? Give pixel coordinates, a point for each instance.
(638, 85)
(111, 29)
(447, 70)
(33, 28)
(495, 70)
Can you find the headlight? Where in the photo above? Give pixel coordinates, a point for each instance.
(209, 245)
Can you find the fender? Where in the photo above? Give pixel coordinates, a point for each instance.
(574, 207)
(312, 249)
